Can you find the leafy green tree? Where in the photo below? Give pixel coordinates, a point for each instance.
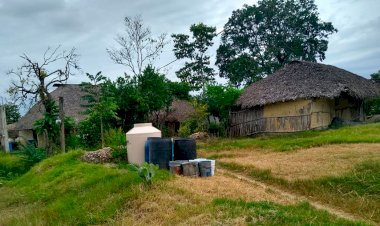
(220, 100)
(372, 107)
(140, 97)
(197, 70)
(180, 90)
(48, 126)
(12, 113)
(101, 101)
(128, 102)
(376, 75)
(259, 39)
(154, 92)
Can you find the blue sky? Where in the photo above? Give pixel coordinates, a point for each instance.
(30, 27)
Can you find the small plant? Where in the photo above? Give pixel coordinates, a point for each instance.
(147, 171)
(119, 153)
(32, 155)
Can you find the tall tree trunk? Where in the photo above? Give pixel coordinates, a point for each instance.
(47, 143)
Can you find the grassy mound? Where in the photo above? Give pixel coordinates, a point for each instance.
(65, 191)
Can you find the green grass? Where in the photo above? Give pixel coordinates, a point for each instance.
(357, 192)
(369, 133)
(267, 213)
(65, 191)
(11, 166)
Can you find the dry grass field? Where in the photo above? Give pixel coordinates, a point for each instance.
(312, 163)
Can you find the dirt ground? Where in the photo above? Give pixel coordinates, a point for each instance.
(329, 160)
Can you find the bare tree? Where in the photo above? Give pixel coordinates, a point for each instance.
(138, 48)
(31, 81)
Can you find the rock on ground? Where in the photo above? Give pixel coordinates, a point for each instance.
(199, 136)
(100, 156)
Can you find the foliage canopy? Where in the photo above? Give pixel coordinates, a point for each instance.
(196, 71)
(259, 39)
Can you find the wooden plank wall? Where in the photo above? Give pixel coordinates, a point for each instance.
(250, 122)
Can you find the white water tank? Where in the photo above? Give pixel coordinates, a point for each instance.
(136, 138)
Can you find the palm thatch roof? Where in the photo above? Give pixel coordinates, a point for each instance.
(179, 111)
(304, 80)
(72, 105)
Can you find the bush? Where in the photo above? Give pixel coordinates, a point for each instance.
(72, 142)
(217, 129)
(114, 137)
(32, 155)
(89, 133)
(187, 128)
(12, 165)
(372, 107)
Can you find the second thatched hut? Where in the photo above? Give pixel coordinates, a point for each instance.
(301, 96)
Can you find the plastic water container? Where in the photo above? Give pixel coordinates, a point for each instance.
(176, 166)
(160, 152)
(205, 168)
(146, 148)
(190, 169)
(204, 159)
(136, 138)
(184, 149)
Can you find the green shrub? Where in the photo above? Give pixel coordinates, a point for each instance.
(89, 133)
(32, 155)
(217, 129)
(119, 153)
(72, 141)
(187, 128)
(12, 165)
(114, 138)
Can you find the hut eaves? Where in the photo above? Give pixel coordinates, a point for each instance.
(301, 79)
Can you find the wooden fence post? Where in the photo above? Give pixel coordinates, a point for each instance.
(62, 117)
(4, 129)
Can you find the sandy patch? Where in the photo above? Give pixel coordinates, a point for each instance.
(329, 160)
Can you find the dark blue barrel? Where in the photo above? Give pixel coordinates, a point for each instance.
(160, 152)
(146, 148)
(184, 149)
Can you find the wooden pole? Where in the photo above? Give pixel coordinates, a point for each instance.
(4, 129)
(62, 117)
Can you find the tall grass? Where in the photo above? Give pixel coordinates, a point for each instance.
(369, 133)
(11, 166)
(65, 191)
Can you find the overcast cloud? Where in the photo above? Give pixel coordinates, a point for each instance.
(30, 26)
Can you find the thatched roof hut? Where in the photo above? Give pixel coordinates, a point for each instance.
(72, 105)
(179, 111)
(301, 96)
(305, 80)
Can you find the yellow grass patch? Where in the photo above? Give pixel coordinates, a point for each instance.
(182, 201)
(330, 160)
